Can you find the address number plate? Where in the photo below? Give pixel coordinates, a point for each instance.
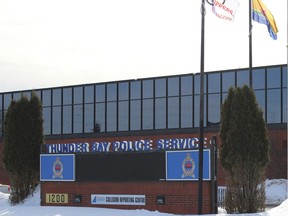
(56, 198)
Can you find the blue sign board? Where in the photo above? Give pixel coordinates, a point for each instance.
(57, 167)
(184, 165)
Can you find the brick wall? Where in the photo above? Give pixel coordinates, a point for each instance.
(180, 197)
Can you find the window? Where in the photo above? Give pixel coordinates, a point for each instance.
(259, 79)
(123, 90)
(186, 85)
(160, 88)
(173, 112)
(111, 92)
(197, 84)
(284, 109)
(173, 86)
(100, 116)
(214, 83)
(100, 93)
(214, 109)
(77, 119)
(273, 106)
(16, 96)
(260, 97)
(88, 118)
(78, 95)
(148, 88)
(273, 77)
(147, 114)
(284, 76)
(228, 80)
(56, 97)
(123, 116)
(47, 120)
(135, 90)
(135, 115)
(160, 113)
(242, 78)
(56, 120)
(67, 96)
(197, 110)
(89, 94)
(111, 116)
(46, 98)
(67, 119)
(186, 111)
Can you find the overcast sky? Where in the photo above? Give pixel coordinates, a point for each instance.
(65, 42)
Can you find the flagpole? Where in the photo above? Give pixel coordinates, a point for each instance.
(201, 118)
(250, 45)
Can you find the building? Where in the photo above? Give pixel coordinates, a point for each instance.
(160, 113)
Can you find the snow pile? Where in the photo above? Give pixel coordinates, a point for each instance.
(276, 193)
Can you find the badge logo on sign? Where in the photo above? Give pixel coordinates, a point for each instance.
(57, 168)
(188, 166)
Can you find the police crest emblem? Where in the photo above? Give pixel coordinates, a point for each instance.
(57, 168)
(188, 166)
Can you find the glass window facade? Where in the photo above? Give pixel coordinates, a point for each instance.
(170, 102)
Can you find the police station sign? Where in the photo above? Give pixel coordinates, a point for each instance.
(125, 146)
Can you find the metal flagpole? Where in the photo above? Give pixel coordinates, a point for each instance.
(201, 118)
(250, 45)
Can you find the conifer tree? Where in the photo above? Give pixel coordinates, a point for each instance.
(244, 152)
(23, 138)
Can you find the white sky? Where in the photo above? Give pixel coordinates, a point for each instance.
(65, 42)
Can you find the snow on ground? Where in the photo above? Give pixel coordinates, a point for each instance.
(276, 193)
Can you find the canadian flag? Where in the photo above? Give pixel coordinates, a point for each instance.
(225, 9)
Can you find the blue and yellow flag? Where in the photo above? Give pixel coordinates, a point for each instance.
(261, 14)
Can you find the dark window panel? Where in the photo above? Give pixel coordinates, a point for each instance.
(186, 111)
(284, 76)
(273, 77)
(123, 90)
(214, 83)
(214, 109)
(112, 92)
(47, 120)
(16, 96)
(260, 97)
(135, 115)
(67, 96)
(186, 85)
(147, 118)
(274, 106)
(88, 118)
(27, 94)
(56, 120)
(78, 95)
(160, 88)
(77, 119)
(258, 79)
(197, 83)
(46, 98)
(135, 90)
(89, 94)
(123, 116)
(284, 96)
(67, 119)
(56, 97)
(197, 110)
(242, 78)
(148, 88)
(111, 116)
(7, 100)
(160, 113)
(228, 80)
(100, 93)
(173, 112)
(173, 86)
(100, 116)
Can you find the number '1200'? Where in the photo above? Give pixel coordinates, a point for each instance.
(56, 198)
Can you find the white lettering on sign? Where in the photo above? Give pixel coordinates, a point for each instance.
(126, 146)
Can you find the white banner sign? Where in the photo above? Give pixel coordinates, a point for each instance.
(225, 9)
(110, 199)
